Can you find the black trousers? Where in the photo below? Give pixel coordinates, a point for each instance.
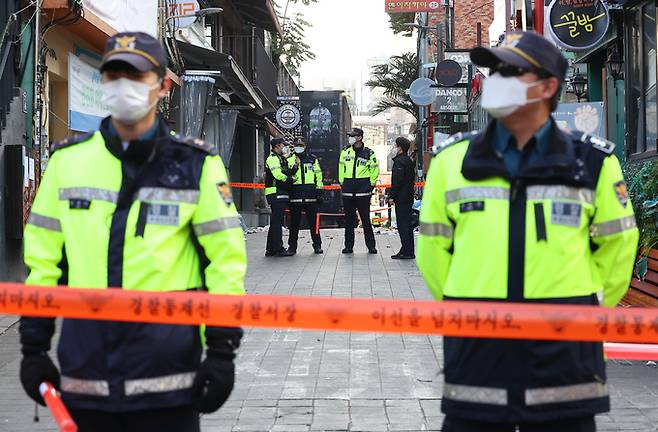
(403, 215)
(311, 211)
(275, 233)
(178, 419)
(583, 424)
(362, 205)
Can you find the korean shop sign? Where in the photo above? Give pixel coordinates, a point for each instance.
(398, 6)
(578, 25)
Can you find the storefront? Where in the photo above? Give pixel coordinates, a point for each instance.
(640, 48)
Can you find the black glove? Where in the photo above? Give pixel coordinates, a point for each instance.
(318, 196)
(213, 384)
(216, 375)
(35, 369)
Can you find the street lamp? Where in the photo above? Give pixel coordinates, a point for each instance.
(579, 84)
(615, 63)
(201, 13)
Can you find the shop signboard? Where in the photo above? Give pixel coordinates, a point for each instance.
(450, 100)
(578, 25)
(448, 73)
(464, 60)
(86, 109)
(399, 6)
(586, 117)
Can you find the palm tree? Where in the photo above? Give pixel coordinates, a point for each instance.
(395, 78)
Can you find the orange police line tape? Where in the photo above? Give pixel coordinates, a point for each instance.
(453, 318)
(326, 187)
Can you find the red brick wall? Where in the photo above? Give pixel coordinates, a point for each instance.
(467, 15)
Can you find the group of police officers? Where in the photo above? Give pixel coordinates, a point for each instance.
(294, 182)
(520, 212)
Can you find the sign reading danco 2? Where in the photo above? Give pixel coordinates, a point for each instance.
(578, 25)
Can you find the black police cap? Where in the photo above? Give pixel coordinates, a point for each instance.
(524, 49)
(276, 141)
(356, 132)
(140, 50)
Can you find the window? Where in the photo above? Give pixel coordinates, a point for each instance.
(642, 122)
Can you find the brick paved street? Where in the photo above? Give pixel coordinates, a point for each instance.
(316, 381)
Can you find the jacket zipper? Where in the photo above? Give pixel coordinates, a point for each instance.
(356, 158)
(517, 227)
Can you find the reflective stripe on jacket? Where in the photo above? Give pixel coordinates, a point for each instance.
(358, 172)
(562, 231)
(157, 217)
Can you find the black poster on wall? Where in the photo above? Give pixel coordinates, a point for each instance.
(578, 25)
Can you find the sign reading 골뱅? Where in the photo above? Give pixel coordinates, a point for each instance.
(398, 6)
(578, 25)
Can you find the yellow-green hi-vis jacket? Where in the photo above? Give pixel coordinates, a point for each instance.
(358, 172)
(561, 231)
(158, 216)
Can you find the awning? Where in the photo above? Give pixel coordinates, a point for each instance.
(259, 12)
(223, 68)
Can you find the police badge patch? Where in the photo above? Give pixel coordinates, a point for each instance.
(622, 193)
(225, 192)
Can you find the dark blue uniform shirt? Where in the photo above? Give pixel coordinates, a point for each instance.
(505, 146)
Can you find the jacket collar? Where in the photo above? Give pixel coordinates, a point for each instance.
(139, 150)
(483, 161)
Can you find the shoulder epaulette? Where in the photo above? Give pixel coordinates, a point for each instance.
(196, 143)
(602, 145)
(68, 142)
(454, 139)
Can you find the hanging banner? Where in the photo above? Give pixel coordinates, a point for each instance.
(86, 109)
(124, 15)
(411, 6)
(578, 25)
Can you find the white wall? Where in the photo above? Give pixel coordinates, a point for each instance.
(127, 15)
(498, 24)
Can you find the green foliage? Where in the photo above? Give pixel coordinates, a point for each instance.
(291, 48)
(395, 78)
(398, 22)
(642, 179)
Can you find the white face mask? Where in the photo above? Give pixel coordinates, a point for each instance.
(299, 149)
(351, 140)
(128, 100)
(285, 151)
(502, 96)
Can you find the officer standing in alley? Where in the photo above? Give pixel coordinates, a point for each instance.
(358, 172)
(306, 196)
(134, 206)
(525, 212)
(280, 174)
(401, 196)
